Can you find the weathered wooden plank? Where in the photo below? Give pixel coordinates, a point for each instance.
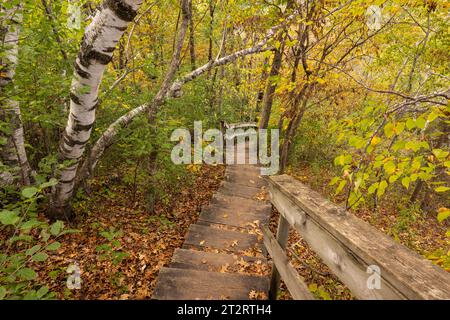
(242, 177)
(282, 239)
(208, 237)
(297, 288)
(209, 261)
(182, 284)
(241, 125)
(346, 266)
(240, 191)
(249, 169)
(239, 204)
(349, 245)
(243, 217)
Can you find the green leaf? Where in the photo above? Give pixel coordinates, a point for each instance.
(42, 292)
(27, 274)
(358, 184)
(33, 250)
(432, 116)
(334, 181)
(399, 128)
(53, 246)
(443, 214)
(2, 293)
(410, 124)
(382, 188)
(342, 160)
(56, 228)
(29, 192)
(442, 189)
(9, 217)
(341, 186)
(440, 154)
(393, 178)
(40, 257)
(421, 123)
(389, 130)
(390, 167)
(313, 287)
(373, 188)
(30, 224)
(51, 183)
(406, 181)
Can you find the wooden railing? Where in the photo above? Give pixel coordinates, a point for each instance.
(350, 247)
(241, 125)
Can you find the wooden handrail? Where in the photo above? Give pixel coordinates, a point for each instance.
(353, 249)
(240, 125)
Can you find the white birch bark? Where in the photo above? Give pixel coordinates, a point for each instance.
(174, 91)
(99, 42)
(14, 152)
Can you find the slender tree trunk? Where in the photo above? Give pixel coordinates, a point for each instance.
(186, 6)
(260, 94)
(211, 30)
(294, 123)
(269, 94)
(13, 152)
(192, 37)
(99, 42)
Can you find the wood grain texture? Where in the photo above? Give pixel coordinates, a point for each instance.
(209, 261)
(348, 245)
(208, 237)
(182, 284)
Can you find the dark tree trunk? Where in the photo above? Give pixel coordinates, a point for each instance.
(269, 94)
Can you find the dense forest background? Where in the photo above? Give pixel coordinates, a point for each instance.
(92, 90)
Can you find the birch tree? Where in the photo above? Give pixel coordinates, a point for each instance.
(99, 42)
(13, 152)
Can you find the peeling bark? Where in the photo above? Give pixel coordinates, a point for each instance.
(99, 42)
(13, 153)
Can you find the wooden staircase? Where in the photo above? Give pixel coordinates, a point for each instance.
(223, 255)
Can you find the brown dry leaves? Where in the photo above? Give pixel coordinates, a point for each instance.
(148, 239)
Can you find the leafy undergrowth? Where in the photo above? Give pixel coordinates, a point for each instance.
(418, 231)
(121, 247)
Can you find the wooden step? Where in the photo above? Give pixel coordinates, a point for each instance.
(241, 190)
(182, 284)
(247, 169)
(208, 261)
(234, 203)
(241, 217)
(245, 178)
(207, 237)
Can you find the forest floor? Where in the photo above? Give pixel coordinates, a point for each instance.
(121, 246)
(141, 242)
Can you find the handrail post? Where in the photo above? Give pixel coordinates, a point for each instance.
(282, 238)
